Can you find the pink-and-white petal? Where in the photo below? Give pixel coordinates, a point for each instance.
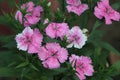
(76, 38)
(21, 43)
(27, 32)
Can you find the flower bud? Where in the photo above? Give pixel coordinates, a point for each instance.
(49, 4)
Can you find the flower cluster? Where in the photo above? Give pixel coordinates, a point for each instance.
(31, 14)
(52, 54)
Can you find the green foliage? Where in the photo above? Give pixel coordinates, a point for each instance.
(9, 72)
(109, 47)
(116, 6)
(116, 65)
(75, 77)
(1, 0)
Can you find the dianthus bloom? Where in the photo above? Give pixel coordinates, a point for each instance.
(82, 65)
(29, 40)
(76, 38)
(55, 30)
(104, 10)
(52, 54)
(32, 14)
(76, 6)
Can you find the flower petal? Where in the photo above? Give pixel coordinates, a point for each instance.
(51, 63)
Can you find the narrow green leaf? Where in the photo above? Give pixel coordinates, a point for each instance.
(96, 25)
(53, 72)
(109, 47)
(10, 45)
(11, 64)
(6, 39)
(11, 3)
(116, 65)
(76, 77)
(48, 39)
(22, 65)
(43, 78)
(68, 65)
(3, 20)
(60, 70)
(108, 78)
(116, 6)
(6, 57)
(50, 78)
(33, 67)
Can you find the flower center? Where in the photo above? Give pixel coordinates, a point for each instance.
(108, 11)
(29, 13)
(81, 66)
(28, 40)
(53, 54)
(55, 28)
(76, 38)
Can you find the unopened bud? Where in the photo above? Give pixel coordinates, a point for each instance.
(46, 21)
(58, 9)
(85, 30)
(49, 4)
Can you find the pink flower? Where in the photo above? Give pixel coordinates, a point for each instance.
(73, 2)
(73, 59)
(29, 40)
(18, 16)
(55, 30)
(76, 38)
(104, 10)
(52, 55)
(28, 6)
(32, 15)
(30, 20)
(37, 11)
(76, 6)
(82, 65)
